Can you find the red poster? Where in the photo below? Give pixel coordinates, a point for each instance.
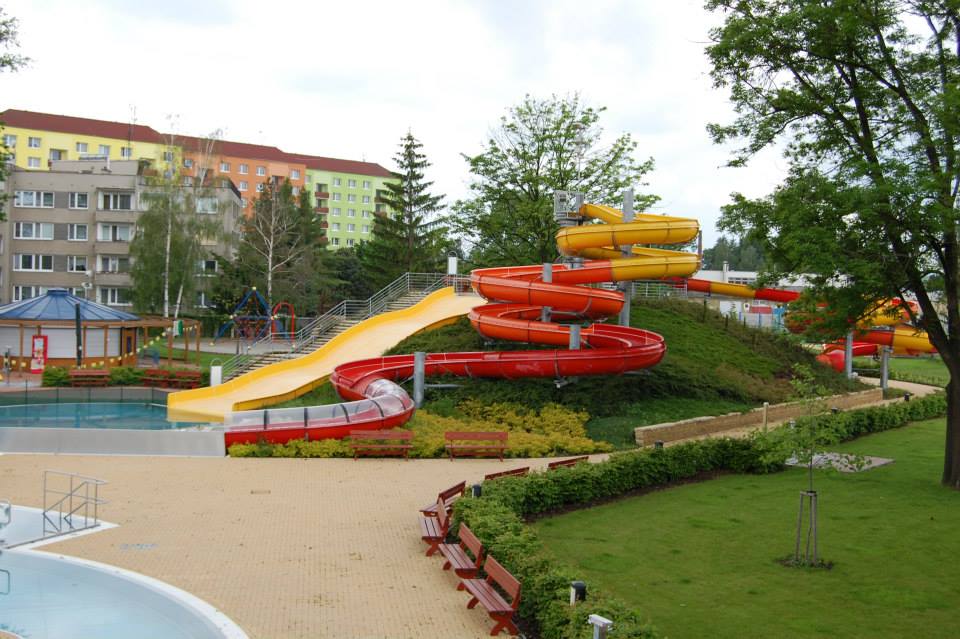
(38, 355)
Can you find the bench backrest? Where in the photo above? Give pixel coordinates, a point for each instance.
(442, 517)
(471, 543)
(476, 435)
(381, 434)
(567, 462)
(499, 575)
(453, 491)
(514, 472)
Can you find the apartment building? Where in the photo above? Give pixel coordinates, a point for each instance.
(71, 225)
(350, 187)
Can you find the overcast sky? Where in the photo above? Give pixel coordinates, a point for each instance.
(348, 79)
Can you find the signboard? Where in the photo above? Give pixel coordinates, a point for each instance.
(38, 353)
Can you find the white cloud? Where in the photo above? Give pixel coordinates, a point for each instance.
(349, 79)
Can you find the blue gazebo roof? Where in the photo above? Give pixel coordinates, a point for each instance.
(59, 304)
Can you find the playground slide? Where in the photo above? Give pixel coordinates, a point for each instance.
(292, 378)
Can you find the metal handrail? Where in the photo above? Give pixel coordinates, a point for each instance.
(71, 502)
(345, 310)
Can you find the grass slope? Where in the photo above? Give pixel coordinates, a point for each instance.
(700, 559)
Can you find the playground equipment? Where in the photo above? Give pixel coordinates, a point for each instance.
(253, 318)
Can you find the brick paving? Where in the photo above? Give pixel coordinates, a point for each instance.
(285, 547)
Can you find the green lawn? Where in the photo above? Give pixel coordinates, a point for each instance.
(911, 368)
(205, 358)
(700, 559)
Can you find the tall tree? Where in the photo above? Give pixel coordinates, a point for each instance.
(539, 147)
(740, 254)
(9, 61)
(410, 236)
(866, 95)
(272, 239)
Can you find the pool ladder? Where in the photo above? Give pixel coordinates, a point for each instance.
(67, 496)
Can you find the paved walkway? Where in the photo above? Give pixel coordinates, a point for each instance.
(285, 547)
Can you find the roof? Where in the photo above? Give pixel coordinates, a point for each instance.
(80, 126)
(238, 149)
(337, 165)
(58, 304)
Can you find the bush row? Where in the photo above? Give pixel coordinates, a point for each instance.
(498, 516)
(119, 376)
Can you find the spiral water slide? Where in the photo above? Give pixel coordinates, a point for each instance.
(517, 297)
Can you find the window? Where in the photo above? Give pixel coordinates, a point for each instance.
(9, 140)
(243, 202)
(335, 212)
(295, 190)
(366, 214)
(28, 262)
(207, 205)
(81, 147)
(746, 281)
(295, 174)
(308, 178)
(116, 201)
(77, 232)
(260, 187)
(351, 212)
(114, 232)
(366, 184)
(350, 241)
(113, 264)
(207, 267)
(351, 228)
(57, 154)
(27, 292)
(33, 199)
(351, 184)
(351, 197)
(33, 143)
(261, 171)
(103, 149)
(78, 200)
(243, 185)
(335, 241)
(188, 163)
(335, 226)
(33, 163)
(126, 152)
(336, 197)
(365, 199)
(77, 263)
(33, 231)
(243, 169)
(187, 180)
(224, 167)
(365, 228)
(168, 156)
(336, 181)
(113, 295)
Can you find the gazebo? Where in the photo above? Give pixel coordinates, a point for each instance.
(109, 337)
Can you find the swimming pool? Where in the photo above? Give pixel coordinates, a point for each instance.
(106, 415)
(45, 596)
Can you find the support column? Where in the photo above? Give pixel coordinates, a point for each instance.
(574, 337)
(848, 356)
(419, 375)
(106, 352)
(170, 346)
(626, 251)
(547, 277)
(884, 367)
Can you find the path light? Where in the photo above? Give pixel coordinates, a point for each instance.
(907, 396)
(476, 490)
(658, 445)
(834, 410)
(601, 625)
(578, 592)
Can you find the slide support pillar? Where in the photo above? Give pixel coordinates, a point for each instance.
(626, 251)
(419, 375)
(547, 277)
(848, 356)
(574, 337)
(884, 367)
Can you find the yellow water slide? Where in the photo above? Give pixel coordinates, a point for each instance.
(291, 378)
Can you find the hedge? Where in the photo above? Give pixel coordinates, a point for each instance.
(498, 516)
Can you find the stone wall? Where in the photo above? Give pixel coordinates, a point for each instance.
(700, 426)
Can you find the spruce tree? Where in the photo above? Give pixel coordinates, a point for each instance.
(410, 236)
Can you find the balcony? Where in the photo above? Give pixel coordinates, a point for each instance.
(322, 195)
(322, 209)
(324, 225)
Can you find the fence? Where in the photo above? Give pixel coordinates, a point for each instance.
(66, 395)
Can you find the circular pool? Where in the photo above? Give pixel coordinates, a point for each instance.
(44, 596)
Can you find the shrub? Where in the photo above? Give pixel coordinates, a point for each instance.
(55, 376)
(125, 376)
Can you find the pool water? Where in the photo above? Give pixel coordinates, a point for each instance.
(90, 415)
(48, 597)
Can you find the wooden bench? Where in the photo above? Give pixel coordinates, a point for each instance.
(433, 530)
(482, 444)
(458, 555)
(513, 472)
(89, 377)
(185, 379)
(448, 496)
(482, 591)
(156, 377)
(567, 463)
(381, 442)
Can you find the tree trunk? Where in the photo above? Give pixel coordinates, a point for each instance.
(270, 275)
(951, 456)
(166, 266)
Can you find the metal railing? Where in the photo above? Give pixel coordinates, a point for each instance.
(71, 507)
(346, 311)
(26, 394)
